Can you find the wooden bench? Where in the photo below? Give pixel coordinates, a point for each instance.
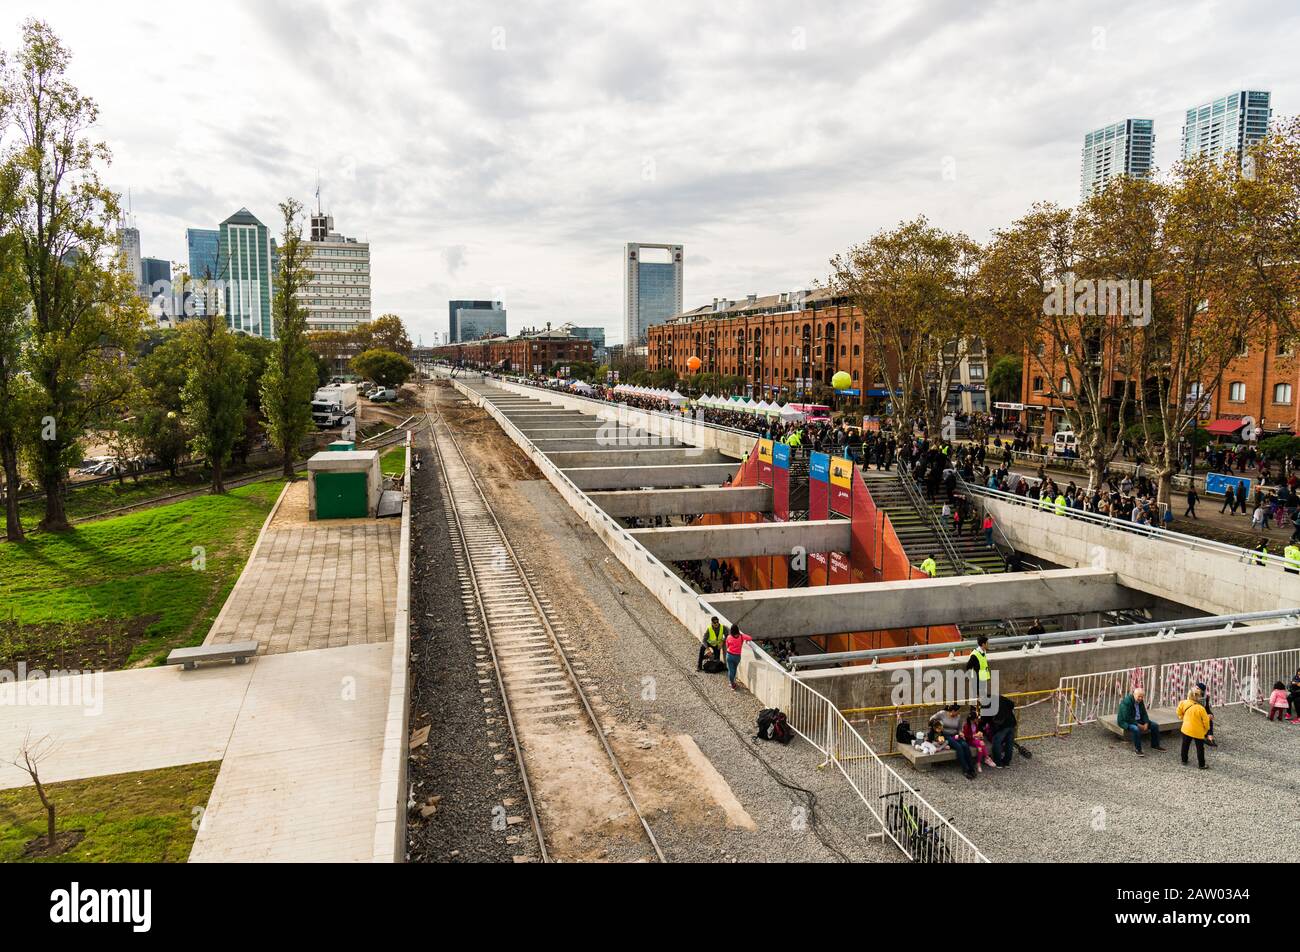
(189, 658)
(1165, 718)
(924, 761)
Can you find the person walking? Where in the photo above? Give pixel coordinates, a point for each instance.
(714, 637)
(930, 567)
(988, 530)
(1242, 495)
(1196, 725)
(735, 645)
(1192, 500)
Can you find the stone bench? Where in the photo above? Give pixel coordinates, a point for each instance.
(1165, 718)
(189, 658)
(923, 761)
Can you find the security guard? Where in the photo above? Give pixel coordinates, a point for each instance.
(979, 661)
(930, 567)
(713, 638)
(1292, 555)
(1060, 504)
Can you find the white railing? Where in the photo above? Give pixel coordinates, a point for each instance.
(1152, 532)
(1082, 698)
(905, 818)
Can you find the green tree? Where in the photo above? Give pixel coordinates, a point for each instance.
(216, 375)
(1005, 378)
(86, 314)
(15, 389)
(383, 367)
(290, 378)
(160, 412)
(385, 332)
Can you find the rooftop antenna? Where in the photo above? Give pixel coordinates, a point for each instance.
(318, 192)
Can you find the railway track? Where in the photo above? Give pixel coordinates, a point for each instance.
(565, 761)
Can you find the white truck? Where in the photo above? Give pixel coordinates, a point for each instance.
(332, 405)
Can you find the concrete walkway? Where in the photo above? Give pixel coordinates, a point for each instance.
(311, 585)
(299, 735)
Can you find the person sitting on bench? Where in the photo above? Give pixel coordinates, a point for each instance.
(1134, 721)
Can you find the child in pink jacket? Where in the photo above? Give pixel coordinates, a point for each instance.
(1279, 705)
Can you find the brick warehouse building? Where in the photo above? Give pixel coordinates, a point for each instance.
(532, 351)
(773, 342)
(1260, 384)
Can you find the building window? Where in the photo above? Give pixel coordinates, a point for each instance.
(1237, 392)
(1282, 393)
(1038, 385)
(1066, 386)
(1042, 349)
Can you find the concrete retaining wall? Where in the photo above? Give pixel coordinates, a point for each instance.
(1042, 670)
(1212, 582)
(390, 819)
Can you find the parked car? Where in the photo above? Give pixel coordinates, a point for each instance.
(384, 396)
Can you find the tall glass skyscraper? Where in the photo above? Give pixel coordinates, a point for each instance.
(1228, 125)
(652, 290)
(246, 257)
(470, 320)
(203, 244)
(1122, 148)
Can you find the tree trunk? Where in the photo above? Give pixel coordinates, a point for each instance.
(49, 809)
(288, 463)
(218, 484)
(9, 456)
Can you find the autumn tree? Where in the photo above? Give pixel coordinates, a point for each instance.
(383, 367)
(386, 332)
(917, 290)
(290, 377)
(85, 312)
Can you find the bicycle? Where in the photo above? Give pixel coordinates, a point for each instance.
(924, 841)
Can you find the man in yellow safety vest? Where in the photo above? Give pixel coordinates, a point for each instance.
(1060, 504)
(1292, 555)
(979, 662)
(930, 567)
(713, 638)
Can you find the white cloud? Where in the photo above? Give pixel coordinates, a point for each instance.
(482, 146)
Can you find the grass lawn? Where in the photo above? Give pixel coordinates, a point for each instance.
(102, 497)
(393, 463)
(127, 588)
(144, 817)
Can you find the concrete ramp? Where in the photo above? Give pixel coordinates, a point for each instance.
(757, 539)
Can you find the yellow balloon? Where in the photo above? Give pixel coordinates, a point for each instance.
(841, 381)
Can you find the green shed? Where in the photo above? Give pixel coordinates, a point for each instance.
(344, 484)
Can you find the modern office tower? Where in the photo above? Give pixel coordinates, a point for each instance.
(1122, 148)
(128, 239)
(203, 244)
(1227, 126)
(470, 320)
(594, 334)
(337, 295)
(155, 270)
(245, 258)
(652, 290)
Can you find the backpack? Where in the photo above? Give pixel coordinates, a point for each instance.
(903, 733)
(714, 666)
(772, 725)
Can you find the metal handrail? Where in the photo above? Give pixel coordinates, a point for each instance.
(997, 530)
(1154, 532)
(959, 564)
(1163, 628)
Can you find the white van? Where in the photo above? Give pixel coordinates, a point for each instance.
(1065, 443)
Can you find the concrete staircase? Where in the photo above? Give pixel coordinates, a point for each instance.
(920, 538)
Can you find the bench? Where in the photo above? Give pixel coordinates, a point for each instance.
(924, 761)
(189, 658)
(1165, 718)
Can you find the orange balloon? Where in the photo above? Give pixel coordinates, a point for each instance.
(694, 365)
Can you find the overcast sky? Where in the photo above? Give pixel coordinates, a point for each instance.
(509, 150)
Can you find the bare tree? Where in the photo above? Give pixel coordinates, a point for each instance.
(29, 759)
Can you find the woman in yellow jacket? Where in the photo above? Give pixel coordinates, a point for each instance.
(1196, 724)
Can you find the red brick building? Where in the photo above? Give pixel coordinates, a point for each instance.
(533, 351)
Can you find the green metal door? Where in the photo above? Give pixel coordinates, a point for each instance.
(341, 496)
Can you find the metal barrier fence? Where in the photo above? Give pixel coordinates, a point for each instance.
(1238, 679)
(1035, 712)
(905, 817)
(1085, 697)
